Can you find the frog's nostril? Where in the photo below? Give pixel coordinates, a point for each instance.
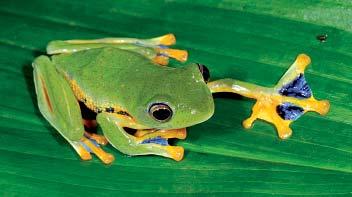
(205, 72)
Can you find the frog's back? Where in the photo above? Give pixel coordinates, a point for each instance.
(108, 76)
(100, 60)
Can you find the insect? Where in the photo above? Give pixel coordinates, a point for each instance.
(124, 86)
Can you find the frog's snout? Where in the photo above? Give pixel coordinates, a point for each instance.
(205, 72)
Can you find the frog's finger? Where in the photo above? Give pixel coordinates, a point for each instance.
(106, 158)
(173, 133)
(81, 150)
(281, 105)
(100, 139)
(112, 127)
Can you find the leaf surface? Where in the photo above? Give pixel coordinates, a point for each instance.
(252, 41)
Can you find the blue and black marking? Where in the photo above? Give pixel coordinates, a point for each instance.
(289, 111)
(297, 88)
(156, 140)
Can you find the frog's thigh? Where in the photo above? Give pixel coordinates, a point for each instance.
(56, 100)
(128, 144)
(57, 103)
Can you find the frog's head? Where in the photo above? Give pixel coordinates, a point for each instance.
(179, 98)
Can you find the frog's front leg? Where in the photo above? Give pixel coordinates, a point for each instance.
(113, 129)
(59, 106)
(155, 49)
(280, 105)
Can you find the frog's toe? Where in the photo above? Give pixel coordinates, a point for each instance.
(100, 139)
(161, 60)
(83, 153)
(163, 54)
(281, 111)
(86, 146)
(285, 132)
(181, 134)
(163, 148)
(180, 55)
(174, 133)
(166, 40)
(175, 152)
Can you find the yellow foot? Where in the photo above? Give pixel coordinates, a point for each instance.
(287, 101)
(100, 139)
(175, 152)
(85, 146)
(280, 105)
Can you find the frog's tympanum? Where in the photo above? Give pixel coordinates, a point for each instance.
(123, 86)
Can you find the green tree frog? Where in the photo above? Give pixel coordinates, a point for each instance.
(124, 86)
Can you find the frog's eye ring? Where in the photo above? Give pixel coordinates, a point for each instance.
(160, 112)
(205, 72)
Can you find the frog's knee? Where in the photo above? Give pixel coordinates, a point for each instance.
(41, 60)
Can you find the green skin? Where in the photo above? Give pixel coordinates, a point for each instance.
(118, 75)
(123, 75)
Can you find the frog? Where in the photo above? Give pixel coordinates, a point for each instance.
(125, 87)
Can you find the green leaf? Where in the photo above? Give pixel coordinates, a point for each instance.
(252, 41)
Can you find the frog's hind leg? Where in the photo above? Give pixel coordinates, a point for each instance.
(165, 40)
(113, 128)
(155, 49)
(281, 105)
(59, 106)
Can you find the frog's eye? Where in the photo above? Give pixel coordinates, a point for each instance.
(160, 112)
(205, 72)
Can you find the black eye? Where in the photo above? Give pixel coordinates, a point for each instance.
(160, 112)
(205, 72)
